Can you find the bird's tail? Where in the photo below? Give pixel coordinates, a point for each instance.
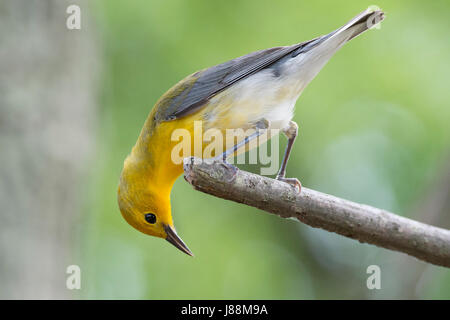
(311, 56)
(331, 42)
(362, 22)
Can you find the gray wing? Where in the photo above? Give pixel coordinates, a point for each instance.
(193, 92)
(215, 79)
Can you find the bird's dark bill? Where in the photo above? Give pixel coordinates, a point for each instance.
(174, 239)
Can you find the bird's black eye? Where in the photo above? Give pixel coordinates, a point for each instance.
(150, 218)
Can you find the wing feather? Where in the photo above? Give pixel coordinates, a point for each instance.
(213, 80)
(194, 91)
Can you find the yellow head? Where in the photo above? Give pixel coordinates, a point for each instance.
(145, 206)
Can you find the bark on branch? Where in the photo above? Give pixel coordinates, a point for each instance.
(319, 210)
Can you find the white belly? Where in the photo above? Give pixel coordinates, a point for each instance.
(260, 96)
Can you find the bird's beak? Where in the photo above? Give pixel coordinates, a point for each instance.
(174, 239)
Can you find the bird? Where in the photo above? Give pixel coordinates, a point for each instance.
(255, 91)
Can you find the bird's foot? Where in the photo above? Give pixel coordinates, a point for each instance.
(231, 169)
(293, 182)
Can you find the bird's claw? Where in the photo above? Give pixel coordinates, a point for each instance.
(293, 182)
(231, 170)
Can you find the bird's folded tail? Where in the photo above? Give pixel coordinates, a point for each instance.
(362, 22)
(334, 40)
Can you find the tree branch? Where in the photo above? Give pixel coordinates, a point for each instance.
(319, 210)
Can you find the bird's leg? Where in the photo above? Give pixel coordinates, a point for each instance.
(291, 133)
(260, 128)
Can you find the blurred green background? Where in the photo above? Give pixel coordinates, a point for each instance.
(374, 128)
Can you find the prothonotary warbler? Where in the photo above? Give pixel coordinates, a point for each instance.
(258, 90)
